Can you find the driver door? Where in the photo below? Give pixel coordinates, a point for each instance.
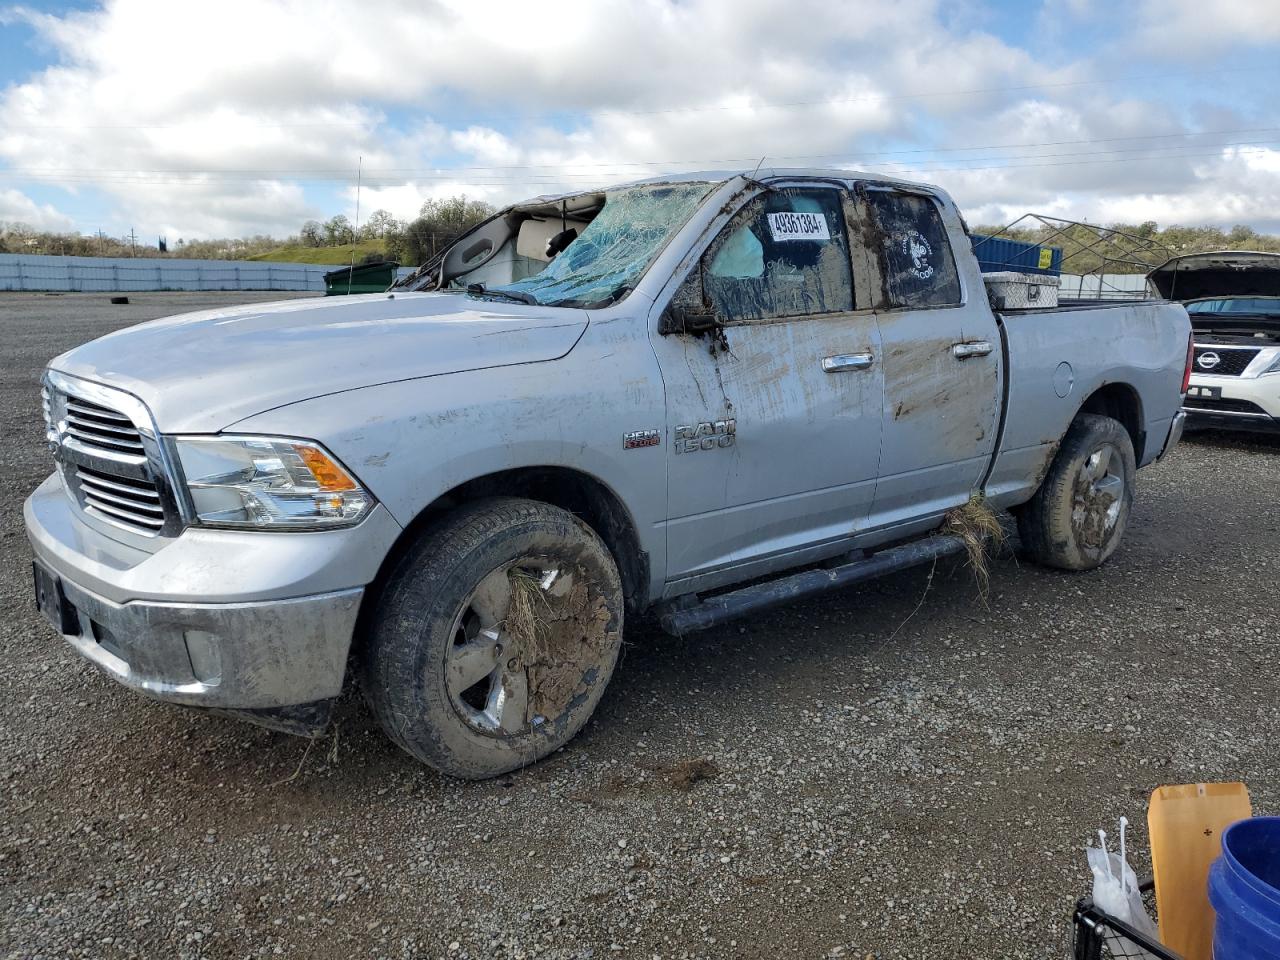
(773, 416)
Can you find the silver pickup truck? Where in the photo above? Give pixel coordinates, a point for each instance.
(705, 394)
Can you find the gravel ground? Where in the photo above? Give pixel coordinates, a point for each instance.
(851, 776)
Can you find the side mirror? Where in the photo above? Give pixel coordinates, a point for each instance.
(688, 311)
(683, 320)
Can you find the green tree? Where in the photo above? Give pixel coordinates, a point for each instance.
(1242, 236)
(438, 224)
(312, 233)
(337, 231)
(379, 224)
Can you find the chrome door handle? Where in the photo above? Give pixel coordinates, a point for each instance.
(847, 361)
(974, 348)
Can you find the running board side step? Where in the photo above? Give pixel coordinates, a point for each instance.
(710, 611)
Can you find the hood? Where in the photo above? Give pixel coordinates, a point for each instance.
(202, 372)
(1226, 273)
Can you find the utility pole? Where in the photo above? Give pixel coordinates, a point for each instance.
(133, 243)
(351, 270)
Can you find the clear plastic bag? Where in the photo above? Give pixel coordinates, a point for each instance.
(1116, 893)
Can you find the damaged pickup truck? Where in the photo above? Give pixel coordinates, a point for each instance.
(706, 394)
(1233, 298)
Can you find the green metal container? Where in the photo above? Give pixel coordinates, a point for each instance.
(362, 278)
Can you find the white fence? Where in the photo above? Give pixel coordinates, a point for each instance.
(122, 274)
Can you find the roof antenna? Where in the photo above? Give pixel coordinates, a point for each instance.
(355, 226)
(764, 187)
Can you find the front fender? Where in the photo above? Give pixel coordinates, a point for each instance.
(412, 441)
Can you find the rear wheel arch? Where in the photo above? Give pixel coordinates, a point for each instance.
(1122, 403)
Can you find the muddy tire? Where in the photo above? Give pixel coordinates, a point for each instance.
(1078, 516)
(494, 637)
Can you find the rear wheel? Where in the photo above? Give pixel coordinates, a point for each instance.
(494, 638)
(1078, 516)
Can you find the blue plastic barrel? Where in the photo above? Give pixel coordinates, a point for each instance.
(1244, 888)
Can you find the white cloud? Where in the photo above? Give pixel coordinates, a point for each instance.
(1198, 28)
(485, 144)
(405, 200)
(17, 207)
(505, 99)
(257, 206)
(1235, 185)
(1240, 186)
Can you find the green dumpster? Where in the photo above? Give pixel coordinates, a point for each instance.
(362, 278)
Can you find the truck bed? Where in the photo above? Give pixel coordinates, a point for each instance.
(1057, 361)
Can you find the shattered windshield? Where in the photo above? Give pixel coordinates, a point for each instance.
(1255, 306)
(605, 262)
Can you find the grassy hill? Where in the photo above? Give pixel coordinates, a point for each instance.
(337, 256)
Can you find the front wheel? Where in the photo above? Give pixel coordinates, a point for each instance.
(1078, 516)
(494, 638)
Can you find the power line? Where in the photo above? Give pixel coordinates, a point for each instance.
(925, 94)
(198, 178)
(556, 169)
(204, 124)
(689, 108)
(1147, 153)
(1043, 143)
(1072, 163)
(250, 174)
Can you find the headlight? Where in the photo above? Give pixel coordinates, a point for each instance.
(1274, 368)
(46, 404)
(269, 483)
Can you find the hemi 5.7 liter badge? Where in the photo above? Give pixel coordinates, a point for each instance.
(641, 438)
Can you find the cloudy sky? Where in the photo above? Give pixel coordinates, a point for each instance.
(196, 119)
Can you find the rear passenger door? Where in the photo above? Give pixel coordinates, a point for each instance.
(941, 359)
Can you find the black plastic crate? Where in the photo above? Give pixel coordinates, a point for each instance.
(1100, 936)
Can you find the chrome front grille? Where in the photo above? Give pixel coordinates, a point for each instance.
(109, 456)
(135, 503)
(94, 425)
(1222, 361)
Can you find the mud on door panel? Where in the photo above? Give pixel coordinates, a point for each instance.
(782, 365)
(941, 364)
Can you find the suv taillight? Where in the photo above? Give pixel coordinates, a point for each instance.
(1191, 352)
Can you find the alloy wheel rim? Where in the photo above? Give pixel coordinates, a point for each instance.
(1099, 495)
(486, 674)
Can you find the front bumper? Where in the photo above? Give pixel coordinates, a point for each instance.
(255, 623)
(1201, 419)
(1234, 403)
(236, 656)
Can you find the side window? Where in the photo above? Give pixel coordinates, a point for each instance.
(783, 255)
(919, 268)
